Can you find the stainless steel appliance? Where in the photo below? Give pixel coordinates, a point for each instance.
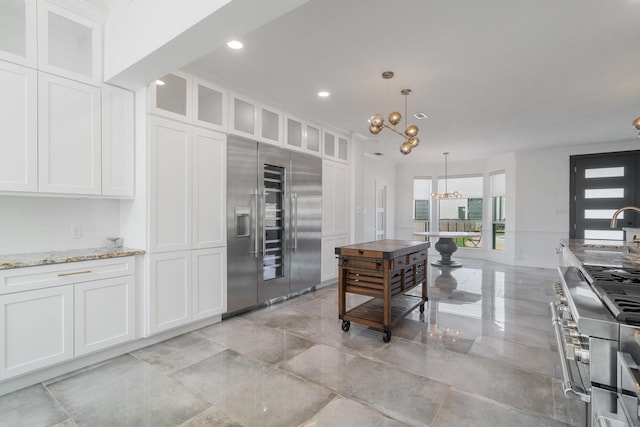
(274, 219)
(597, 322)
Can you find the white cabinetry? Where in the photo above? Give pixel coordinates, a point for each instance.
(69, 150)
(170, 290)
(187, 265)
(18, 32)
(56, 312)
(335, 214)
(188, 187)
(117, 142)
(302, 136)
(252, 120)
(335, 146)
(69, 45)
(18, 128)
(209, 189)
(329, 261)
(104, 313)
(36, 328)
(209, 271)
(180, 96)
(170, 155)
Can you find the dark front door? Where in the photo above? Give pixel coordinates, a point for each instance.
(600, 184)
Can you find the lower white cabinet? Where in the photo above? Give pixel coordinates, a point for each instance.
(36, 329)
(329, 262)
(104, 313)
(209, 277)
(169, 290)
(185, 286)
(53, 313)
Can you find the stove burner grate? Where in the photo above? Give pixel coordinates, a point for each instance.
(613, 274)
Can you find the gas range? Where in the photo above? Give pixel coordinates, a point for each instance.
(597, 321)
(619, 289)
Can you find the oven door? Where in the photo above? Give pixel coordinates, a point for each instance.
(574, 355)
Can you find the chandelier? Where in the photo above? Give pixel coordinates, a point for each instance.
(446, 194)
(636, 124)
(377, 123)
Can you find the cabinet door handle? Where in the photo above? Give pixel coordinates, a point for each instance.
(73, 273)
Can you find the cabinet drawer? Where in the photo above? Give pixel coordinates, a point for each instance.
(398, 262)
(44, 276)
(364, 253)
(417, 257)
(361, 263)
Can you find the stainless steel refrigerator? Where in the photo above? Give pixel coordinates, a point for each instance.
(274, 204)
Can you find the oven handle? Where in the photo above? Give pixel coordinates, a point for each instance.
(568, 387)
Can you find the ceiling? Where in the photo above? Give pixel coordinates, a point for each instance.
(493, 76)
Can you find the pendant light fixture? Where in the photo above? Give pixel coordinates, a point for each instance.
(636, 124)
(446, 194)
(377, 123)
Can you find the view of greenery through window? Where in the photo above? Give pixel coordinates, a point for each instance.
(464, 214)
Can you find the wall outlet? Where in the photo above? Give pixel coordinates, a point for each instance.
(76, 232)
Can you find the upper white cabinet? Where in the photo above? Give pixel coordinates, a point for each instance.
(335, 146)
(209, 189)
(335, 198)
(69, 45)
(253, 120)
(180, 96)
(170, 154)
(18, 32)
(69, 151)
(209, 105)
(18, 128)
(187, 187)
(117, 142)
(171, 96)
(302, 136)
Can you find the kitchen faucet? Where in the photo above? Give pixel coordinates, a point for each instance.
(614, 219)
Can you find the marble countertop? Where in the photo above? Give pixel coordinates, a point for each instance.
(59, 257)
(604, 252)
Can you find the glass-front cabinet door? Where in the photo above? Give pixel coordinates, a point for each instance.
(18, 31)
(58, 29)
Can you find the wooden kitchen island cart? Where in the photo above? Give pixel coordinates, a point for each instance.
(385, 270)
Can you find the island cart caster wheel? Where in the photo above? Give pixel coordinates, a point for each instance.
(346, 325)
(422, 308)
(386, 336)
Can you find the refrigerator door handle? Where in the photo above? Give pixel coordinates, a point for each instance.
(295, 220)
(255, 223)
(263, 213)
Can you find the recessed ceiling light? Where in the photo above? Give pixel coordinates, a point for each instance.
(323, 94)
(159, 83)
(420, 116)
(235, 44)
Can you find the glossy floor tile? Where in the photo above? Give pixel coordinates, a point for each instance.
(481, 354)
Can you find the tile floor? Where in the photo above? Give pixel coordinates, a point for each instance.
(482, 354)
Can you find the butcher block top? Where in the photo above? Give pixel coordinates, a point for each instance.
(383, 249)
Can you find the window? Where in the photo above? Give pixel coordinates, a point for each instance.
(498, 189)
(463, 214)
(421, 204)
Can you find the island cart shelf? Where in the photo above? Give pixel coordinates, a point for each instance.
(385, 270)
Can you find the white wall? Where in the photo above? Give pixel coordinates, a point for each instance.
(41, 224)
(369, 172)
(537, 200)
(542, 197)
